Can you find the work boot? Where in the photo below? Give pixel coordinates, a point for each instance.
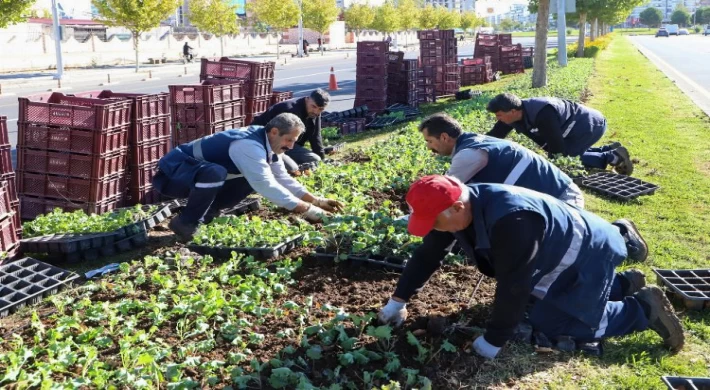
(613, 145)
(636, 247)
(623, 164)
(661, 317)
(635, 281)
(211, 215)
(183, 230)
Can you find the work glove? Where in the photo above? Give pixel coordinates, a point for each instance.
(393, 313)
(315, 214)
(328, 204)
(483, 348)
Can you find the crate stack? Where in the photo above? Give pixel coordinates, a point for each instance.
(487, 45)
(72, 153)
(258, 79)
(278, 97)
(528, 57)
(402, 79)
(439, 58)
(505, 39)
(10, 225)
(204, 109)
(371, 75)
(511, 59)
(476, 71)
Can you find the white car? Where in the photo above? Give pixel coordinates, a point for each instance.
(683, 31)
(707, 30)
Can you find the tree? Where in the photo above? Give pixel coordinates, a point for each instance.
(13, 11)
(428, 18)
(318, 15)
(507, 24)
(386, 18)
(408, 14)
(279, 14)
(469, 20)
(138, 16)
(702, 15)
(448, 19)
(217, 17)
(359, 17)
(681, 17)
(539, 76)
(651, 17)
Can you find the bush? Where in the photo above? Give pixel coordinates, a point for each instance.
(697, 29)
(591, 49)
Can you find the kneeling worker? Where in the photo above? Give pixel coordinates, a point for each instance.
(308, 109)
(220, 170)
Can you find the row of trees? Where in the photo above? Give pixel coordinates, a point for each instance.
(653, 17)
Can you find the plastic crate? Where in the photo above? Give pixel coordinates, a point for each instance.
(4, 136)
(226, 67)
(69, 188)
(686, 383)
(148, 130)
(6, 159)
(73, 165)
(435, 43)
(618, 186)
(142, 175)
(257, 104)
(83, 113)
(278, 97)
(372, 47)
(437, 52)
(10, 182)
(8, 234)
(195, 113)
(366, 82)
(143, 195)
(373, 104)
(209, 92)
(259, 88)
(371, 71)
(691, 285)
(5, 202)
(352, 126)
(31, 207)
(188, 133)
(151, 151)
(144, 105)
(15, 205)
(435, 34)
(67, 139)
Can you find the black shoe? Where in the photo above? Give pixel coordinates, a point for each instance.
(184, 231)
(623, 165)
(661, 317)
(636, 247)
(211, 215)
(636, 280)
(613, 145)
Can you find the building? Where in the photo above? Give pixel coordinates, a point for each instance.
(667, 7)
(347, 3)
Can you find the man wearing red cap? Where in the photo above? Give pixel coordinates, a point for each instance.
(535, 246)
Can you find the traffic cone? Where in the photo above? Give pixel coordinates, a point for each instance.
(333, 85)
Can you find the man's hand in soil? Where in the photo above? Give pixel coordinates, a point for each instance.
(328, 204)
(315, 214)
(483, 348)
(394, 313)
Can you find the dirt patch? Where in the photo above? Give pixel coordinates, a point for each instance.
(356, 156)
(397, 197)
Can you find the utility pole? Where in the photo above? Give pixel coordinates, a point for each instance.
(300, 29)
(57, 41)
(561, 33)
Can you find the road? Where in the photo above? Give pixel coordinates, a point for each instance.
(685, 60)
(299, 75)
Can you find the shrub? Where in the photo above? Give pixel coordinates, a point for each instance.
(591, 49)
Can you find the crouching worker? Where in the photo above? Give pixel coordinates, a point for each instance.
(535, 246)
(220, 170)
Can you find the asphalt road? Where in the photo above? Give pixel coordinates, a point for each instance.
(685, 60)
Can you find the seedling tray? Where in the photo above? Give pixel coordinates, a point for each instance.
(308, 166)
(257, 253)
(678, 383)
(67, 243)
(692, 286)
(618, 186)
(243, 207)
(28, 281)
(381, 122)
(371, 261)
(334, 148)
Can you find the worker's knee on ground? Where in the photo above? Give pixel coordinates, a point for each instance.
(212, 175)
(311, 157)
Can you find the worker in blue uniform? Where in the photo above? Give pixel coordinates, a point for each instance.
(559, 127)
(539, 248)
(220, 170)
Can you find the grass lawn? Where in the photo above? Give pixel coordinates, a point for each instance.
(636, 31)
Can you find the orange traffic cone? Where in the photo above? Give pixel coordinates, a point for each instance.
(333, 85)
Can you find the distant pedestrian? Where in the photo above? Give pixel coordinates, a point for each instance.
(305, 47)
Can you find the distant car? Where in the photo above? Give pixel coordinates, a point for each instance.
(707, 30)
(662, 32)
(683, 31)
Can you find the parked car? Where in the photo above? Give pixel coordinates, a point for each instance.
(683, 31)
(707, 30)
(662, 32)
(672, 28)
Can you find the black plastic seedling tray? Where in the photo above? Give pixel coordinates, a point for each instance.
(243, 207)
(618, 186)
(308, 166)
(381, 122)
(334, 148)
(683, 383)
(372, 261)
(692, 285)
(258, 253)
(66, 243)
(28, 281)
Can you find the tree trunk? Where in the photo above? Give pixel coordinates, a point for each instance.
(278, 46)
(221, 46)
(593, 33)
(136, 37)
(322, 43)
(582, 33)
(539, 77)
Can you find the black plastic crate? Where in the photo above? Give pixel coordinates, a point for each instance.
(372, 261)
(618, 186)
(28, 281)
(257, 253)
(684, 383)
(691, 285)
(243, 207)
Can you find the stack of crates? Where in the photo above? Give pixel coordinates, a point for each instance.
(72, 153)
(402, 80)
(476, 71)
(258, 79)
(528, 57)
(10, 225)
(505, 39)
(148, 141)
(511, 59)
(487, 45)
(204, 109)
(371, 75)
(439, 57)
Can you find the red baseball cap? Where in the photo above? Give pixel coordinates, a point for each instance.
(427, 198)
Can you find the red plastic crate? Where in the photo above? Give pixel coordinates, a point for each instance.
(372, 47)
(4, 136)
(438, 52)
(259, 88)
(6, 159)
(67, 139)
(84, 113)
(8, 234)
(365, 59)
(257, 70)
(11, 185)
(434, 43)
(69, 188)
(31, 207)
(16, 217)
(151, 152)
(209, 92)
(257, 104)
(372, 104)
(5, 203)
(147, 130)
(143, 195)
(367, 82)
(142, 175)
(68, 164)
(433, 61)
(370, 71)
(190, 114)
(435, 34)
(144, 105)
(278, 97)
(236, 69)
(188, 133)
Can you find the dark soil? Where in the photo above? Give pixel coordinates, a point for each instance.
(397, 197)
(356, 156)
